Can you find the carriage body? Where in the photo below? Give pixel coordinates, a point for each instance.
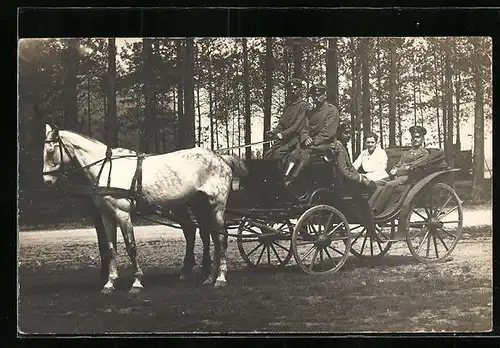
(415, 214)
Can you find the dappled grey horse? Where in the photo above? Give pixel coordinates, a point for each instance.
(196, 177)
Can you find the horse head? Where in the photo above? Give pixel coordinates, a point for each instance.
(55, 155)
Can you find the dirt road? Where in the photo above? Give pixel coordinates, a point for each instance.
(59, 289)
(476, 218)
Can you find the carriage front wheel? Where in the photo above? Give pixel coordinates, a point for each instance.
(364, 246)
(260, 246)
(321, 240)
(434, 224)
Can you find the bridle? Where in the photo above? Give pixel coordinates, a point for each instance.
(136, 186)
(56, 139)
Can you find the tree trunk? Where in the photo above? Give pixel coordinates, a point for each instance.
(70, 90)
(148, 128)
(444, 115)
(297, 59)
(246, 92)
(437, 107)
(181, 116)
(353, 95)
(175, 123)
(189, 116)
(286, 59)
(414, 83)
(112, 126)
(198, 106)
(478, 169)
(332, 72)
(268, 91)
(89, 113)
(457, 99)
(449, 101)
(392, 95)
(211, 105)
(379, 97)
(238, 108)
(365, 53)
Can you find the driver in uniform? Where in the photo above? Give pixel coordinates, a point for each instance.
(318, 132)
(290, 123)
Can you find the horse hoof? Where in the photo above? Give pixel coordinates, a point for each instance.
(185, 276)
(107, 291)
(220, 284)
(208, 281)
(135, 290)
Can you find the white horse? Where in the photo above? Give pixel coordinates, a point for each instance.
(196, 177)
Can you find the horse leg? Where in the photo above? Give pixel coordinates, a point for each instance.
(110, 230)
(102, 242)
(200, 209)
(207, 260)
(189, 230)
(125, 223)
(222, 237)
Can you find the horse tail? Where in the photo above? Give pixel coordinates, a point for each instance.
(237, 165)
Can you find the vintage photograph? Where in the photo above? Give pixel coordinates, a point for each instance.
(254, 185)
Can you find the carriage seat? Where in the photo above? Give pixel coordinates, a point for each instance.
(431, 164)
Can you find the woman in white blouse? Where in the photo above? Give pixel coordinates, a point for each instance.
(373, 160)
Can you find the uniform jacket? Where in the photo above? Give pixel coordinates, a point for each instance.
(345, 169)
(409, 158)
(321, 125)
(373, 164)
(292, 120)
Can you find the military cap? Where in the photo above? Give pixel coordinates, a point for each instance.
(294, 82)
(317, 89)
(417, 130)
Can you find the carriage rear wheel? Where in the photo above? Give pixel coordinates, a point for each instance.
(365, 246)
(261, 247)
(325, 246)
(434, 224)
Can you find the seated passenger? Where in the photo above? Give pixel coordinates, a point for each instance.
(372, 160)
(318, 132)
(352, 182)
(290, 123)
(399, 174)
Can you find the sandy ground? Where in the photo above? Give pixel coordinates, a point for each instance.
(474, 217)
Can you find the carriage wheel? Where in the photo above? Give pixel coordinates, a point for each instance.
(259, 247)
(325, 246)
(434, 224)
(364, 246)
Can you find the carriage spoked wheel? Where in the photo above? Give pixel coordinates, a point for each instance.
(364, 246)
(434, 224)
(325, 246)
(260, 247)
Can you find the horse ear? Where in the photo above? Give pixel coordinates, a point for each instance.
(48, 129)
(55, 130)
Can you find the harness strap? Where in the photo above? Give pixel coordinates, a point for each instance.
(137, 179)
(106, 159)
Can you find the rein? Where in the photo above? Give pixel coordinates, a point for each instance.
(243, 146)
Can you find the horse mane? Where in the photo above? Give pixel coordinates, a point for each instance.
(119, 150)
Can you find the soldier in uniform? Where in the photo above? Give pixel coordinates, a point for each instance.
(399, 174)
(318, 132)
(290, 123)
(352, 182)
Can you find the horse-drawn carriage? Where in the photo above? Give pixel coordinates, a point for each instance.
(316, 222)
(320, 226)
